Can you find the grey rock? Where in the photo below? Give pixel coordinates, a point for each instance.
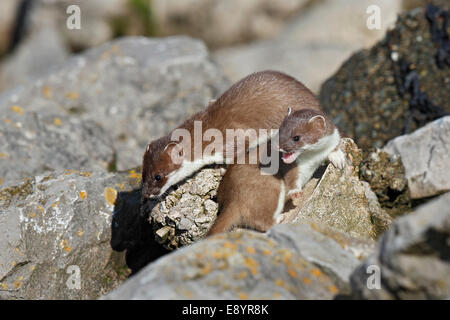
(52, 225)
(136, 88)
(425, 156)
(236, 265)
(412, 257)
(341, 201)
(186, 214)
(33, 143)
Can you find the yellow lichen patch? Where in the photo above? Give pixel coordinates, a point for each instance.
(17, 109)
(252, 264)
(32, 268)
(57, 122)
(243, 296)
(47, 92)
(83, 194)
(7, 121)
(136, 175)
(243, 275)
(110, 195)
(4, 286)
(267, 252)
(1, 181)
(287, 255)
(17, 284)
(70, 171)
(334, 289)
(316, 272)
(32, 215)
(54, 205)
(277, 295)
(279, 283)
(80, 232)
(72, 95)
(3, 155)
(41, 208)
(230, 245)
(65, 245)
(86, 174)
(20, 278)
(306, 280)
(251, 250)
(207, 269)
(292, 273)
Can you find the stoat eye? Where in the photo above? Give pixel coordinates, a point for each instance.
(296, 138)
(158, 177)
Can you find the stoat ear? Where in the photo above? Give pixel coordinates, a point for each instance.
(289, 111)
(318, 122)
(175, 151)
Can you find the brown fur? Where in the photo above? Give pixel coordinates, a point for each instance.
(259, 101)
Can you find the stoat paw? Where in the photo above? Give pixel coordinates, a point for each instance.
(295, 193)
(338, 159)
(222, 171)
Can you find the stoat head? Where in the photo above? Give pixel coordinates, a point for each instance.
(301, 131)
(161, 159)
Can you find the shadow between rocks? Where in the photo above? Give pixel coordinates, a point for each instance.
(131, 231)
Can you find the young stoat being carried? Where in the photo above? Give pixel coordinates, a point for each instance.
(259, 101)
(308, 137)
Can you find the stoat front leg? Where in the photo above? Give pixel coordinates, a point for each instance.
(338, 158)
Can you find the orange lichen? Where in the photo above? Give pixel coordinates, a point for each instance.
(316, 272)
(3, 155)
(80, 232)
(280, 283)
(4, 286)
(292, 273)
(7, 121)
(72, 95)
(251, 250)
(57, 122)
(267, 252)
(334, 289)
(230, 245)
(65, 245)
(47, 92)
(83, 194)
(252, 264)
(17, 284)
(17, 109)
(243, 296)
(86, 174)
(1, 181)
(110, 195)
(306, 280)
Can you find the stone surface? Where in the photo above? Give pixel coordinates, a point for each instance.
(386, 175)
(51, 225)
(367, 97)
(241, 265)
(136, 88)
(33, 143)
(341, 201)
(412, 257)
(224, 23)
(186, 214)
(314, 44)
(425, 155)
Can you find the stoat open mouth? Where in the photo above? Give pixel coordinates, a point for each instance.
(289, 157)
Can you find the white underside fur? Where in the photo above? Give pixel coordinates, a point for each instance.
(277, 215)
(312, 156)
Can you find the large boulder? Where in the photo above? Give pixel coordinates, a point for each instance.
(55, 233)
(290, 262)
(314, 43)
(341, 201)
(135, 88)
(412, 259)
(425, 155)
(395, 87)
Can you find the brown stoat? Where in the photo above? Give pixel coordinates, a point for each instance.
(259, 101)
(307, 137)
(248, 199)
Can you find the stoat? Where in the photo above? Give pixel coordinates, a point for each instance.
(259, 101)
(307, 137)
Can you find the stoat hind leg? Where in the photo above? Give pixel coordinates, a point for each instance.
(338, 159)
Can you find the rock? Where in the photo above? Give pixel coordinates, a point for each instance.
(386, 176)
(341, 201)
(242, 265)
(136, 88)
(411, 4)
(369, 97)
(224, 23)
(36, 56)
(7, 13)
(56, 227)
(412, 257)
(425, 155)
(309, 49)
(186, 214)
(34, 143)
